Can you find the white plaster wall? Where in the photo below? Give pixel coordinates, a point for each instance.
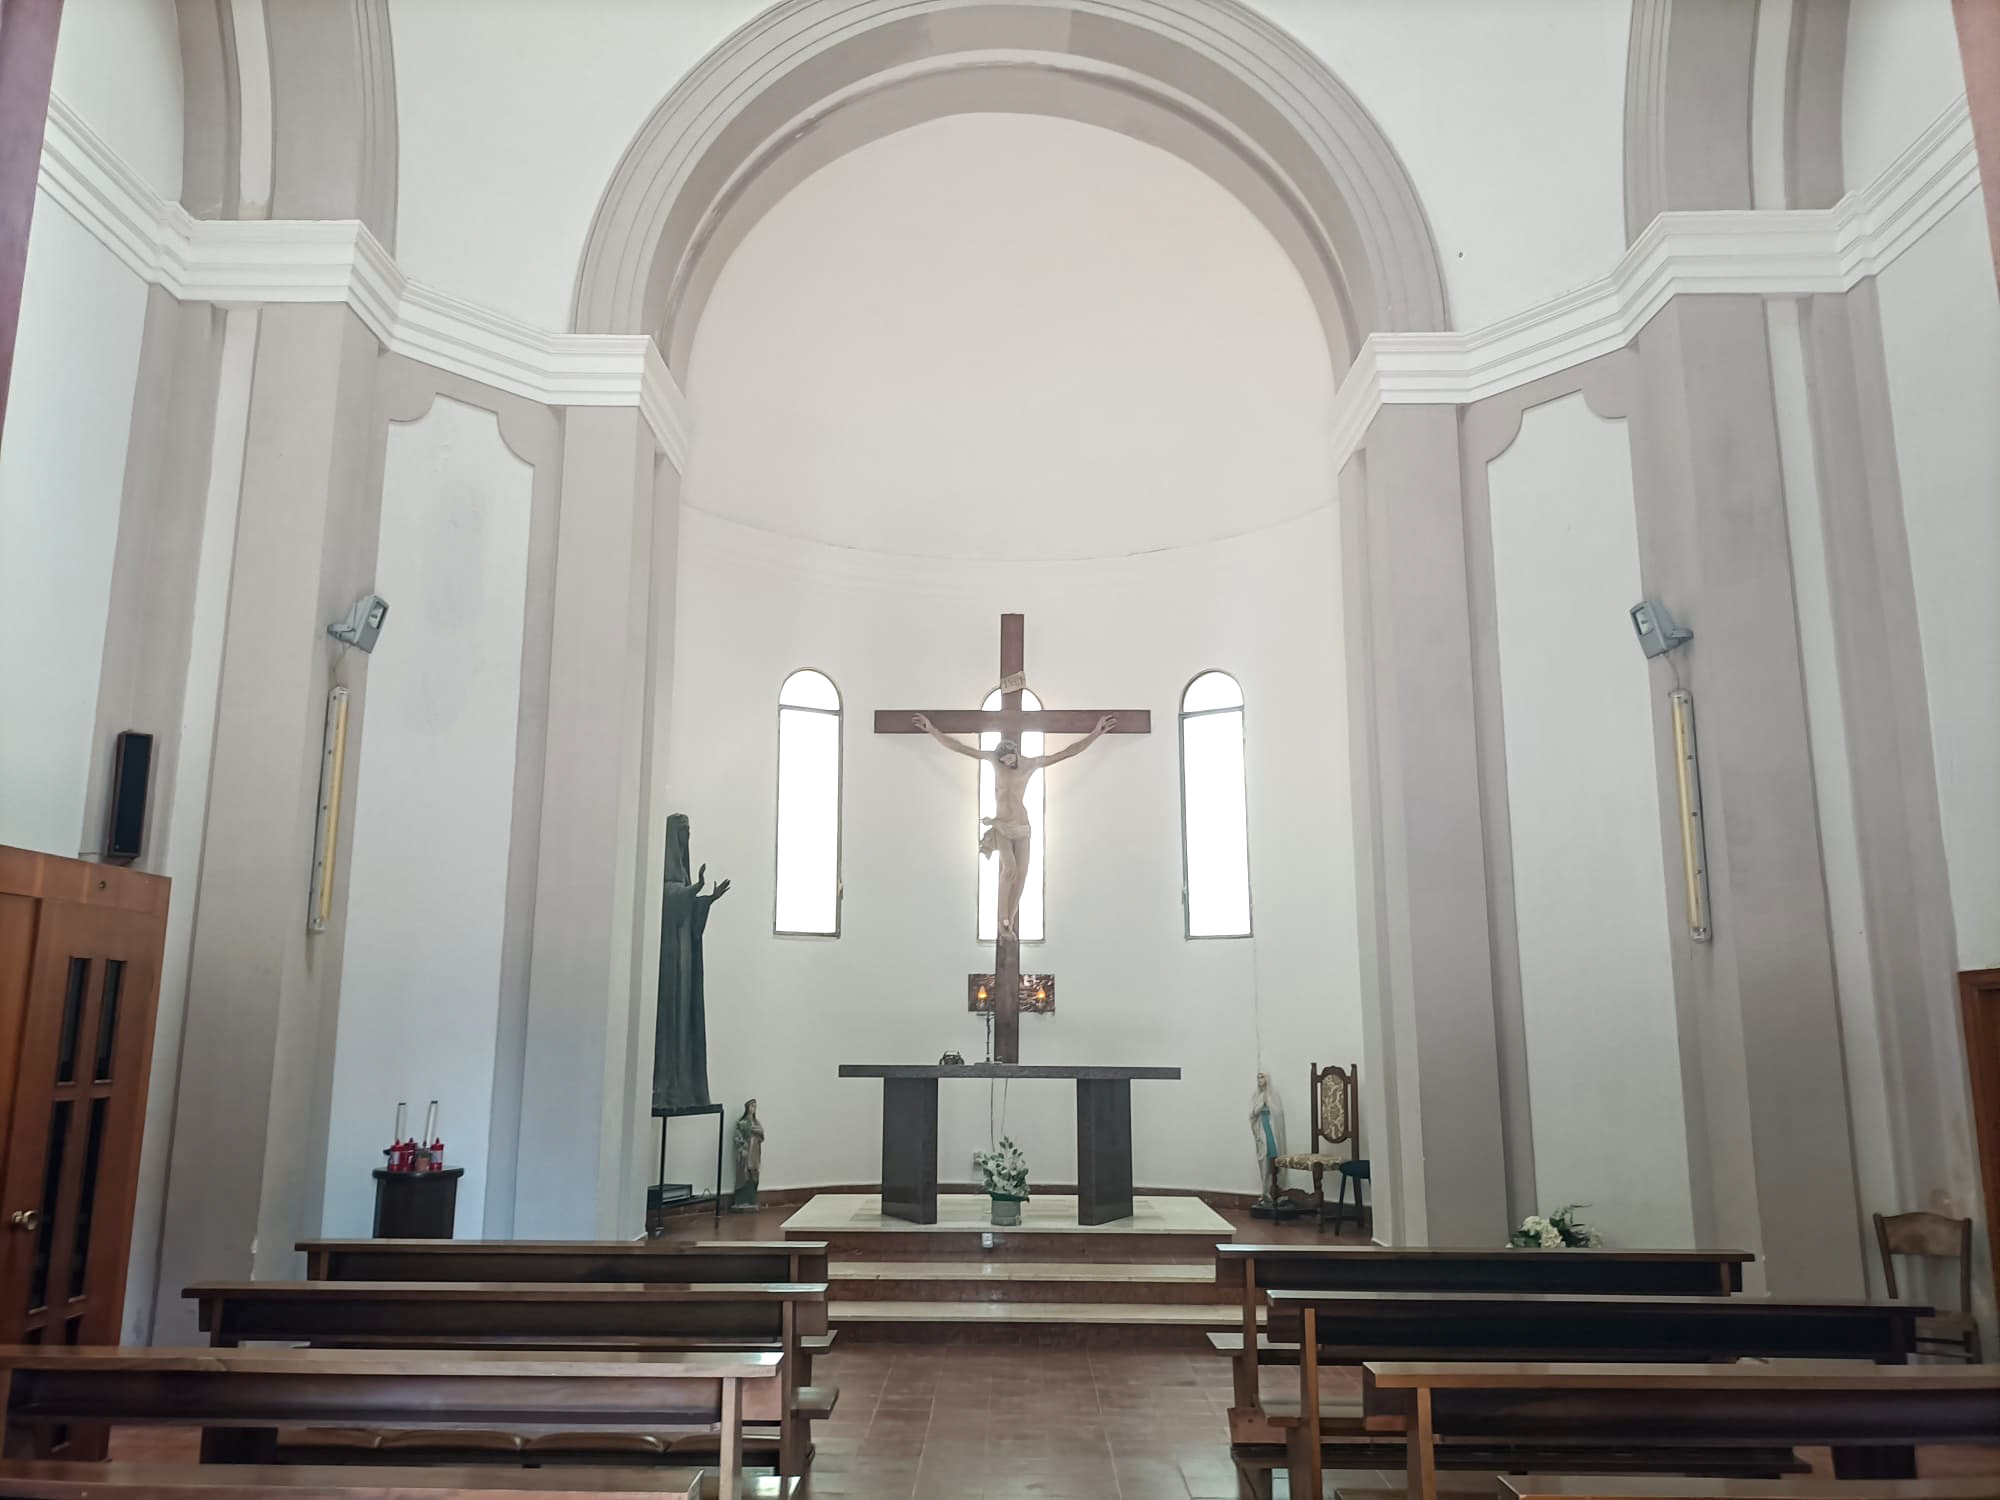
(898, 632)
(420, 981)
(1078, 383)
(1941, 337)
(514, 113)
(62, 474)
(1591, 900)
(1509, 117)
(118, 64)
(1075, 344)
(1903, 69)
(1511, 120)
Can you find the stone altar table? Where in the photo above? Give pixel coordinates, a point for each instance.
(910, 1130)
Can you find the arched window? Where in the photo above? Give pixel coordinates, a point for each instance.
(808, 885)
(1215, 825)
(989, 864)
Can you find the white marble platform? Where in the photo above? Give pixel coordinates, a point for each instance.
(971, 1213)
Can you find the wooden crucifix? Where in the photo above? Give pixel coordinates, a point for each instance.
(1006, 833)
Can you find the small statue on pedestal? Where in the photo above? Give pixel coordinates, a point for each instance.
(1267, 1132)
(749, 1158)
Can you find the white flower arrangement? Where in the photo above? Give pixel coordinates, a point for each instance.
(1557, 1231)
(1004, 1170)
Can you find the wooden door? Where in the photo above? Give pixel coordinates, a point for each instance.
(80, 949)
(1979, 996)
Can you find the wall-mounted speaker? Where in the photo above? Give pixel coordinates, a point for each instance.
(131, 774)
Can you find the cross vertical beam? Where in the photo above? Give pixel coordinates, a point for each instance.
(1009, 720)
(1007, 945)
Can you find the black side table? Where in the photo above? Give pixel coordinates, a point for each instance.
(416, 1205)
(657, 1201)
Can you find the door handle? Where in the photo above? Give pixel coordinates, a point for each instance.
(26, 1219)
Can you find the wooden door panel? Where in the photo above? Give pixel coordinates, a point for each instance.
(79, 1102)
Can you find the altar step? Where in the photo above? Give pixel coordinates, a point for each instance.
(1114, 1324)
(1071, 1283)
(1162, 1228)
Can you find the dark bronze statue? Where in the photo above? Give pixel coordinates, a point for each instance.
(680, 1044)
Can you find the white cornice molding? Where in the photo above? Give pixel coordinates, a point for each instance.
(1791, 252)
(1794, 252)
(232, 262)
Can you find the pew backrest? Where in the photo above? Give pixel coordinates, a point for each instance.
(565, 1260)
(596, 1391)
(1801, 1487)
(506, 1315)
(1377, 1268)
(1809, 1402)
(1352, 1327)
(31, 1479)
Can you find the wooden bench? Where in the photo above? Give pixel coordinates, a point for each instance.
(1354, 1327)
(1805, 1487)
(529, 1316)
(565, 1260)
(39, 1480)
(1871, 1418)
(1250, 1271)
(241, 1398)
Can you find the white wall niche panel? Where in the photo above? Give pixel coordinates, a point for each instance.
(1941, 345)
(427, 879)
(1590, 893)
(62, 482)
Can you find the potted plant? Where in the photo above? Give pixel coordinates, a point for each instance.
(1004, 1173)
(1561, 1230)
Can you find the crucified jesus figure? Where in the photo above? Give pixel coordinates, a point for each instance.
(1007, 831)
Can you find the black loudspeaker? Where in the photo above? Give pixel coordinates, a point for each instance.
(131, 773)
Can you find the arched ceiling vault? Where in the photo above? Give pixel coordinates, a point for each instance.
(1208, 80)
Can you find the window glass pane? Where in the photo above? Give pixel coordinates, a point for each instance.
(989, 864)
(45, 1230)
(72, 1018)
(86, 1200)
(1216, 825)
(1211, 690)
(808, 884)
(809, 690)
(107, 1017)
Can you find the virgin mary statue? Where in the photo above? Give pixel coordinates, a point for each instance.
(680, 1042)
(1267, 1134)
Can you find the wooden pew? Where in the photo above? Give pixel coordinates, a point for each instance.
(1805, 1487)
(1871, 1418)
(1354, 1327)
(684, 1261)
(241, 1397)
(533, 1316)
(1250, 1271)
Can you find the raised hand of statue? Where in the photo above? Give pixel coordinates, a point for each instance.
(1106, 724)
(721, 888)
(922, 721)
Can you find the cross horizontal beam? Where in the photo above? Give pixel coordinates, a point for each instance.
(1039, 720)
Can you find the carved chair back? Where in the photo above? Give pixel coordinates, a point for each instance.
(1335, 1119)
(1929, 1235)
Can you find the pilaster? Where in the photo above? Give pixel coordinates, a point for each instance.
(1766, 1071)
(583, 985)
(250, 1116)
(1427, 962)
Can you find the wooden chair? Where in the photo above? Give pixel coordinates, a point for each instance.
(1949, 1335)
(1336, 1121)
